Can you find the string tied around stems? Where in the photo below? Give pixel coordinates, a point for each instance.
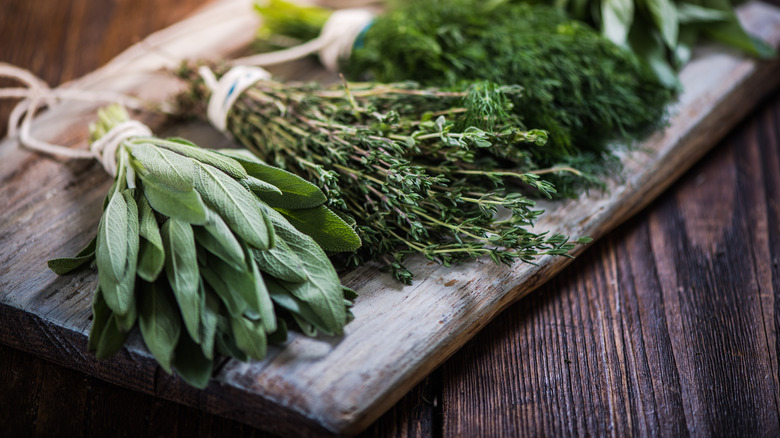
(37, 95)
(227, 89)
(334, 44)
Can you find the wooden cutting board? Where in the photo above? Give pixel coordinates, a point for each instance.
(50, 208)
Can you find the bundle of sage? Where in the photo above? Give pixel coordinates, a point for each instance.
(209, 252)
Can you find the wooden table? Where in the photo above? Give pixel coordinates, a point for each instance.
(668, 325)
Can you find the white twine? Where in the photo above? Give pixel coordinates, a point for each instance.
(37, 95)
(334, 44)
(229, 87)
(104, 148)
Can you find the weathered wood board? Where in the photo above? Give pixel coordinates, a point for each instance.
(50, 208)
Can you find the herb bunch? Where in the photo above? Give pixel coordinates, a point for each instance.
(209, 253)
(417, 170)
(662, 33)
(577, 85)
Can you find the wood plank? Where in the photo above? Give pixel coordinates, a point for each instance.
(49, 315)
(670, 330)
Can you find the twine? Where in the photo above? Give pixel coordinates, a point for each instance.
(333, 45)
(38, 95)
(229, 87)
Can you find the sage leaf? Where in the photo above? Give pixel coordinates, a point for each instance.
(617, 17)
(171, 169)
(210, 307)
(181, 268)
(260, 187)
(216, 237)
(296, 192)
(306, 317)
(100, 315)
(191, 364)
(235, 303)
(225, 342)
(205, 156)
(261, 300)
(249, 337)
(236, 205)
(322, 291)
(151, 259)
(112, 338)
(64, 265)
(664, 13)
(185, 205)
(325, 227)
(111, 253)
(689, 13)
(281, 261)
(160, 323)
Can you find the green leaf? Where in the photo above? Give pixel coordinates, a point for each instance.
(191, 364)
(261, 300)
(217, 238)
(249, 337)
(296, 192)
(689, 13)
(305, 316)
(112, 338)
(260, 187)
(651, 50)
(160, 323)
(322, 290)
(664, 13)
(236, 205)
(115, 263)
(151, 258)
(126, 285)
(209, 304)
(616, 19)
(225, 342)
(170, 168)
(100, 315)
(64, 265)
(205, 156)
(325, 227)
(184, 205)
(181, 267)
(281, 261)
(235, 302)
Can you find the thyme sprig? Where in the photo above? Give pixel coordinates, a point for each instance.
(421, 171)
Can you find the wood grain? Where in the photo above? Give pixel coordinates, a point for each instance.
(670, 330)
(236, 393)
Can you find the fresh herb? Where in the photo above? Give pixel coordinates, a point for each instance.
(418, 171)
(210, 252)
(577, 85)
(662, 33)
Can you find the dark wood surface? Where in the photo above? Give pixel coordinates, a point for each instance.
(666, 326)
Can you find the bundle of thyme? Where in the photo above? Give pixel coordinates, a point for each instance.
(419, 170)
(209, 253)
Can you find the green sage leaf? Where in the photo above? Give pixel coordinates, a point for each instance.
(191, 364)
(100, 315)
(325, 227)
(209, 304)
(689, 13)
(170, 168)
(235, 302)
(616, 19)
(664, 13)
(184, 205)
(306, 317)
(64, 265)
(181, 268)
(249, 337)
(296, 192)
(236, 205)
(217, 238)
(205, 156)
(151, 258)
(160, 323)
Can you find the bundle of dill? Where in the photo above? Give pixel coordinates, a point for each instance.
(405, 163)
